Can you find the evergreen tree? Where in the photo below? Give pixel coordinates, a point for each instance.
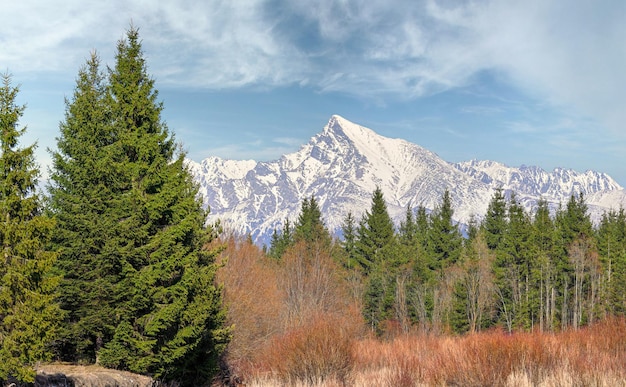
(310, 227)
(281, 241)
(379, 260)
(512, 268)
(375, 231)
(544, 274)
(573, 225)
(611, 241)
(445, 240)
(425, 261)
(409, 251)
(475, 291)
(422, 224)
(408, 228)
(166, 317)
(348, 243)
(495, 221)
(29, 316)
(84, 187)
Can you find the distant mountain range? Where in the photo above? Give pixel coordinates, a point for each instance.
(342, 165)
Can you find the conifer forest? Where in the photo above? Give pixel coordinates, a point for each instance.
(114, 264)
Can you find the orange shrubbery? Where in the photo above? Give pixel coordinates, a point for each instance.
(595, 355)
(293, 325)
(252, 298)
(292, 319)
(316, 351)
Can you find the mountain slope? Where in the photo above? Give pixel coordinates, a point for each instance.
(342, 165)
(537, 182)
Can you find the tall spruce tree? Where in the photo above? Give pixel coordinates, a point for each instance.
(146, 236)
(348, 229)
(376, 245)
(542, 241)
(512, 268)
(29, 316)
(310, 226)
(445, 240)
(281, 241)
(495, 222)
(573, 224)
(82, 191)
(611, 240)
(375, 231)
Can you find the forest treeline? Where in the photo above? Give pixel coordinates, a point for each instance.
(112, 266)
(519, 271)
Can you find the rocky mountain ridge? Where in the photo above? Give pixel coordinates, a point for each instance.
(342, 165)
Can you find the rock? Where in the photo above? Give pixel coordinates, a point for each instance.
(65, 375)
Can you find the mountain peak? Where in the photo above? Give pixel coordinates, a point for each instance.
(365, 141)
(342, 165)
(338, 125)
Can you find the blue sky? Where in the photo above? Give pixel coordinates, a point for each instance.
(521, 82)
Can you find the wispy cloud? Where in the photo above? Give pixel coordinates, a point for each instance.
(571, 53)
(482, 110)
(288, 141)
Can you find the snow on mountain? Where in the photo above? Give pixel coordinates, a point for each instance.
(530, 183)
(342, 165)
(537, 182)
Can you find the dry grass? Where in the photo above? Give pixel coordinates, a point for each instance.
(594, 356)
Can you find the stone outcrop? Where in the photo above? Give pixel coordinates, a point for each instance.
(64, 375)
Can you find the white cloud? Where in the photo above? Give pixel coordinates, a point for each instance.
(571, 53)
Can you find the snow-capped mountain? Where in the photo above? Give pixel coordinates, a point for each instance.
(534, 181)
(342, 165)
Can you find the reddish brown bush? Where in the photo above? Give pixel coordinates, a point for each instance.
(592, 356)
(292, 319)
(253, 300)
(317, 351)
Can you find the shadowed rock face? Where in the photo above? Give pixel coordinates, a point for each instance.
(61, 375)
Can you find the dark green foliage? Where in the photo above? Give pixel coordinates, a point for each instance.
(495, 221)
(349, 230)
(515, 270)
(82, 198)
(138, 278)
(542, 270)
(512, 268)
(29, 316)
(378, 300)
(376, 255)
(310, 226)
(572, 225)
(408, 230)
(445, 240)
(375, 232)
(281, 241)
(611, 242)
(475, 290)
(309, 229)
